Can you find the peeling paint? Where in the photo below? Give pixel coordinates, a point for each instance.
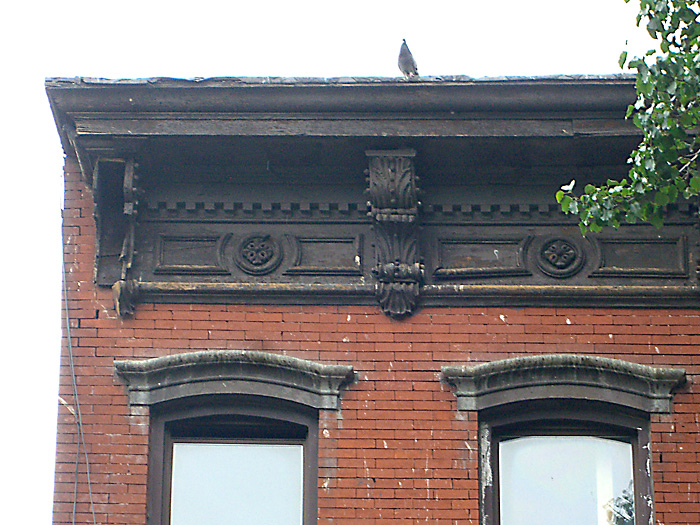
(650, 504)
(486, 474)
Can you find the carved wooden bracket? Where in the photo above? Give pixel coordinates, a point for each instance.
(130, 209)
(393, 204)
(124, 291)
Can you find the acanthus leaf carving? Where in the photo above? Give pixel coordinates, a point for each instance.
(394, 207)
(393, 190)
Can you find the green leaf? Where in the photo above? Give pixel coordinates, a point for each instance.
(688, 120)
(654, 26)
(661, 199)
(672, 193)
(687, 15)
(656, 220)
(664, 166)
(565, 203)
(623, 58)
(695, 183)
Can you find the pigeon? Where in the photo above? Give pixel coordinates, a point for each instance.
(407, 64)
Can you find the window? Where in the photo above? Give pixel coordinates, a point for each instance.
(578, 479)
(564, 439)
(233, 435)
(211, 482)
(567, 462)
(239, 456)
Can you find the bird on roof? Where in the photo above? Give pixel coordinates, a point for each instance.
(407, 64)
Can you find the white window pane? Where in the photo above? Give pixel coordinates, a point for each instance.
(236, 484)
(565, 480)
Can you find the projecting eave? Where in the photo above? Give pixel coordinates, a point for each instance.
(459, 94)
(99, 118)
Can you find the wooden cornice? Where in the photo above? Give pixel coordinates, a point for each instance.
(360, 95)
(105, 117)
(256, 190)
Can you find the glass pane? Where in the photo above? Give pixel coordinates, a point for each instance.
(566, 480)
(236, 484)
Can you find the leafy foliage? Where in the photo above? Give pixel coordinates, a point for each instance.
(664, 167)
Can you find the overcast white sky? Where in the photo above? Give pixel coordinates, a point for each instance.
(142, 38)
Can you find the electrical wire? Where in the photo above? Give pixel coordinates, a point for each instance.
(77, 414)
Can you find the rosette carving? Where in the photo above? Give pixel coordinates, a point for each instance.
(560, 257)
(258, 254)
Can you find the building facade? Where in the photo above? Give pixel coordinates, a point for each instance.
(356, 301)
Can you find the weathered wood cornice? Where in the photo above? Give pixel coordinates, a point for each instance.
(101, 117)
(342, 95)
(98, 125)
(431, 295)
(251, 191)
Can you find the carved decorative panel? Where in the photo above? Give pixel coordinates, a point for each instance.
(190, 256)
(340, 256)
(481, 258)
(650, 258)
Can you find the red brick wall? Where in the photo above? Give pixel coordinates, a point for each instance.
(397, 451)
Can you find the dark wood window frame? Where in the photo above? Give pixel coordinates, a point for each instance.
(564, 394)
